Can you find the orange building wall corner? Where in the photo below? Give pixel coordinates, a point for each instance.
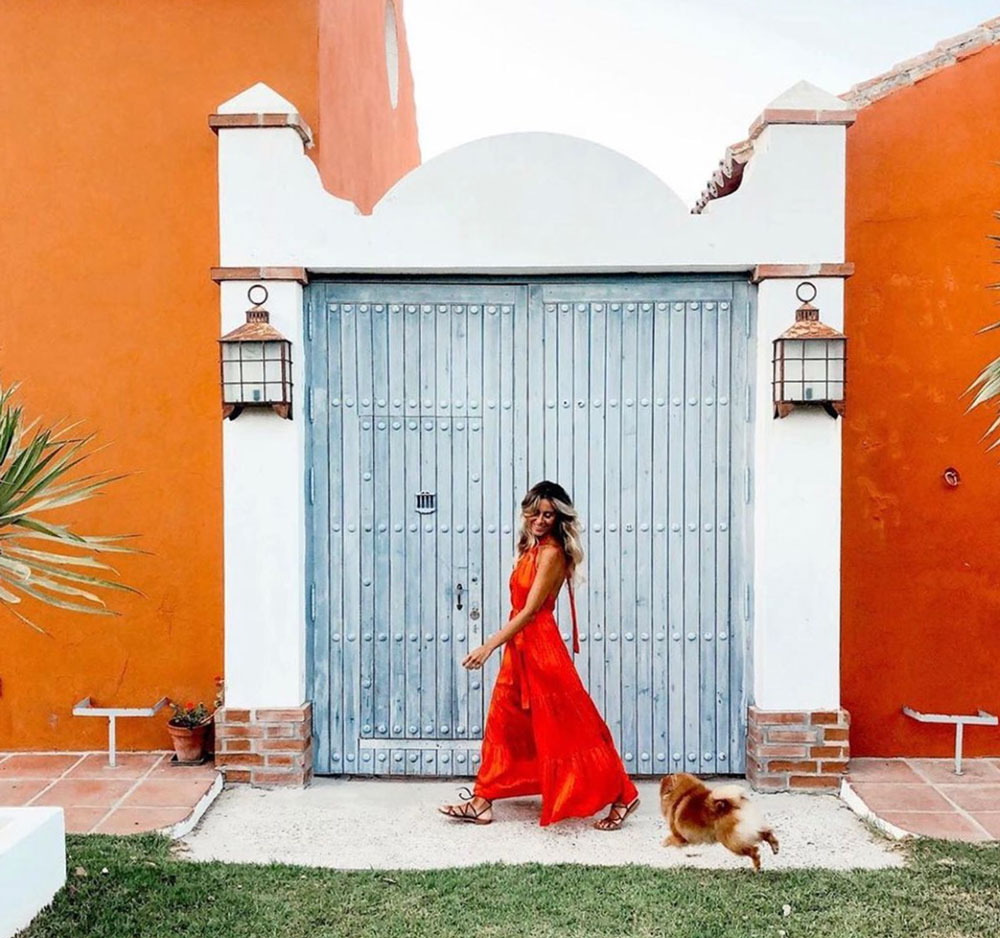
(920, 557)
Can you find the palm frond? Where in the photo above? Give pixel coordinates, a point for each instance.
(38, 467)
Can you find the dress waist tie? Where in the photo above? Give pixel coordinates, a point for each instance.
(520, 668)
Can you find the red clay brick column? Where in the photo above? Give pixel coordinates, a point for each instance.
(797, 749)
(266, 748)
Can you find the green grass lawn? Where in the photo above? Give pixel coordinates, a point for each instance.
(947, 890)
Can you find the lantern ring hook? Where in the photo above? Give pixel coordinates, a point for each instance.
(250, 294)
(804, 299)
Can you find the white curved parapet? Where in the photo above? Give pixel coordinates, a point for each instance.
(32, 863)
(537, 202)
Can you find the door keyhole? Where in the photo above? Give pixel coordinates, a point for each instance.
(458, 593)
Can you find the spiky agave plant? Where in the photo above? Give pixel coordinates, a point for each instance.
(36, 466)
(987, 387)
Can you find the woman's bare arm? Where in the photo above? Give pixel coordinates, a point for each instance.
(550, 573)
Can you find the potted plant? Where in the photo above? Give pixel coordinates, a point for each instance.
(188, 727)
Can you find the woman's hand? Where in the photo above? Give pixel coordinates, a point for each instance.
(476, 658)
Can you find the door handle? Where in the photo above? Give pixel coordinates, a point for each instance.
(458, 593)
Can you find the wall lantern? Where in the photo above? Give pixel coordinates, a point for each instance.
(256, 363)
(810, 359)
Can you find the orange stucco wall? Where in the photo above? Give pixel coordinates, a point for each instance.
(921, 561)
(108, 315)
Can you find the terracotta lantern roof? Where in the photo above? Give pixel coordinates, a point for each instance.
(808, 326)
(257, 328)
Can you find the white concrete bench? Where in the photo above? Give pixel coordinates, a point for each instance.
(32, 863)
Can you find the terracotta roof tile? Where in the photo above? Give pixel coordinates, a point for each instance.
(944, 54)
(947, 52)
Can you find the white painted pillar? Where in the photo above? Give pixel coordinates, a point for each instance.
(264, 523)
(797, 464)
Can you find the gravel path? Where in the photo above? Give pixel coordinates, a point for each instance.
(364, 824)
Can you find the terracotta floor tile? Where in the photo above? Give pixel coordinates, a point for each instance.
(881, 770)
(161, 792)
(942, 771)
(990, 820)
(973, 797)
(128, 765)
(893, 796)
(166, 770)
(34, 765)
(19, 791)
(85, 791)
(945, 824)
(81, 820)
(137, 820)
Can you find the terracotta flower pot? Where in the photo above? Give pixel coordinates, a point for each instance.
(189, 741)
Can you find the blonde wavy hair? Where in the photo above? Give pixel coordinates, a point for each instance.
(566, 529)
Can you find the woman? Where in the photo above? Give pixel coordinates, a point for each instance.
(543, 733)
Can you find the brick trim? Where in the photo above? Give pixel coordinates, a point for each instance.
(946, 53)
(781, 115)
(801, 749)
(728, 177)
(798, 271)
(265, 747)
(228, 121)
(223, 274)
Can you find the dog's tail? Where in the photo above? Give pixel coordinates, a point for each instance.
(726, 798)
(767, 834)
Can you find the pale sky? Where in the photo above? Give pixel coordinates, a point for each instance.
(667, 82)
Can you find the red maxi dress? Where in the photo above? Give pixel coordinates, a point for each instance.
(544, 736)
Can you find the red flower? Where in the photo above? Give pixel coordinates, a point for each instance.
(189, 705)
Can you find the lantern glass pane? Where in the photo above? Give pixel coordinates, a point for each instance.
(793, 370)
(252, 372)
(814, 348)
(272, 375)
(231, 387)
(230, 351)
(814, 369)
(836, 390)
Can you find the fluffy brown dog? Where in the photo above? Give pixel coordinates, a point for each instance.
(698, 814)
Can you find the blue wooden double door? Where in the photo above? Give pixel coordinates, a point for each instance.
(432, 407)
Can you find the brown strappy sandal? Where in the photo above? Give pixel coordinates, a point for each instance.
(467, 812)
(616, 816)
